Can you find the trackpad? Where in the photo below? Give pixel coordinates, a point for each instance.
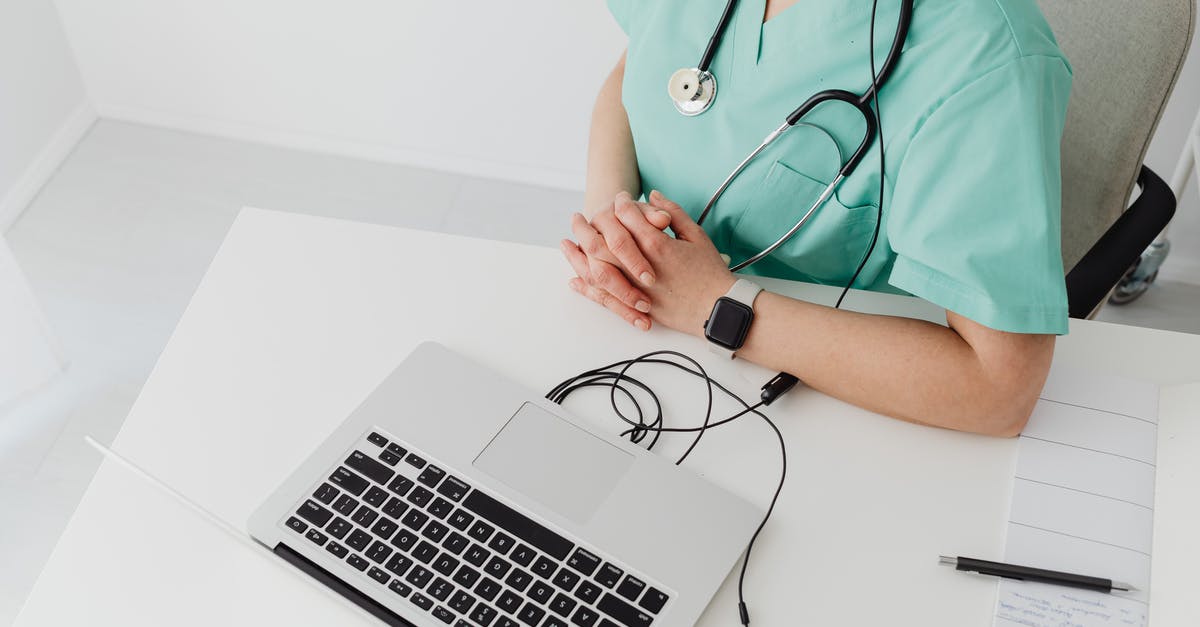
(554, 462)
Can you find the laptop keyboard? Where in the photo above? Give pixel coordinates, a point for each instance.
(455, 552)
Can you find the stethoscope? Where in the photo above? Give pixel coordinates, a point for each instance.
(693, 91)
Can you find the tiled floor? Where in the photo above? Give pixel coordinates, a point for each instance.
(118, 240)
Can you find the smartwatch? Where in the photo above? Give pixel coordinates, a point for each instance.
(729, 323)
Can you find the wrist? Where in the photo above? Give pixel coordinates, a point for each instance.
(704, 308)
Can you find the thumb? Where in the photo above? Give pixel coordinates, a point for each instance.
(657, 218)
(683, 224)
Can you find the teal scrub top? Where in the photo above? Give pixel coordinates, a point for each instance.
(972, 117)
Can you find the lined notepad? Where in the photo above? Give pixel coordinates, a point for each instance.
(1083, 501)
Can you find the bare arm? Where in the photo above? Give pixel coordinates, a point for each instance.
(612, 163)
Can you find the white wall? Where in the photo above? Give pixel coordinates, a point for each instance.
(487, 87)
(1183, 264)
(43, 107)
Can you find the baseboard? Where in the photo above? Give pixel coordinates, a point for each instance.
(312, 142)
(43, 166)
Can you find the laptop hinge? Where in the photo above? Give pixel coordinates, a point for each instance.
(376, 608)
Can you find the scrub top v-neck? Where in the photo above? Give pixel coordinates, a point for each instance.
(972, 120)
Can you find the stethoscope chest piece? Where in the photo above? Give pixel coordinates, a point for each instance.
(692, 90)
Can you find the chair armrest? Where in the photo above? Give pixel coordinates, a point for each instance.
(1090, 281)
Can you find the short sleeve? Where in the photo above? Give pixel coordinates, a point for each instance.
(976, 208)
(622, 11)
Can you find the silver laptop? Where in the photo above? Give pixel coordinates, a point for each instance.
(452, 496)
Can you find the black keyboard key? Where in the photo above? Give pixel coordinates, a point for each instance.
(453, 488)
(609, 575)
(509, 601)
(349, 481)
(389, 458)
(483, 615)
(583, 561)
(378, 575)
(435, 531)
(379, 552)
(562, 604)
(317, 537)
(588, 592)
(338, 550)
(488, 588)
(518, 524)
(401, 485)
(544, 567)
(424, 552)
(566, 579)
(540, 591)
(518, 580)
(461, 519)
(405, 540)
(481, 531)
(456, 543)
(497, 567)
(421, 601)
(461, 602)
(364, 516)
(440, 508)
(374, 470)
(631, 588)
(442, 614)
(476, 555)
(654, 600)
(384, 528)
(418, 577)
(396, 449)
(398, 565)
(431, 475)
(445, 564)
(326, 493)
(339, 527)
(345, 505)
(400, 588)
(531, 614)
(623, 612)
(376, 439)
(466, 576)
(501, 542)
(375, 496)
(415, 519)
(414, 460)
(604, 622)
(440, 589)
(554, 621)
(357, 562)
(314, 513)
(358, 539)
(505, 621)
(523, 555)
(297, 525)
(419, 496)
(395, 507)
(585, 617)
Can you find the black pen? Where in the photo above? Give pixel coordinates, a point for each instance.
(1026, 573)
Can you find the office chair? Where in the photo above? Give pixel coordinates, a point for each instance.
(1126, 58)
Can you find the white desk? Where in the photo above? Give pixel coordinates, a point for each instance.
(299, 318)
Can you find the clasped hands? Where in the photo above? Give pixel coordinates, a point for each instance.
(625, 261)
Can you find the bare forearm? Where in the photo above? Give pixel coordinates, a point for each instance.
(612, 163)
(908, 369)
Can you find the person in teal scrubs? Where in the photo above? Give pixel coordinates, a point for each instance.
(972, 120)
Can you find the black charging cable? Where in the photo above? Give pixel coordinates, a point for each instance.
(617, 379)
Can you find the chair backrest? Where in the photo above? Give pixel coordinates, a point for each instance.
(1126, 55)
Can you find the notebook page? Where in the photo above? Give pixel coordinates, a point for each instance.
(1083, 501)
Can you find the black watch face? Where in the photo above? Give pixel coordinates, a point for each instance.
(729, 323)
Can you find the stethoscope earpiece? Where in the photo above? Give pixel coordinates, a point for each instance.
(692, 90)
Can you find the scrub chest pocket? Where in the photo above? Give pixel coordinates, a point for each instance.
(827, 249)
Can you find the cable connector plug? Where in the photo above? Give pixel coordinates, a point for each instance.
(745, 613)
(778, 386)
